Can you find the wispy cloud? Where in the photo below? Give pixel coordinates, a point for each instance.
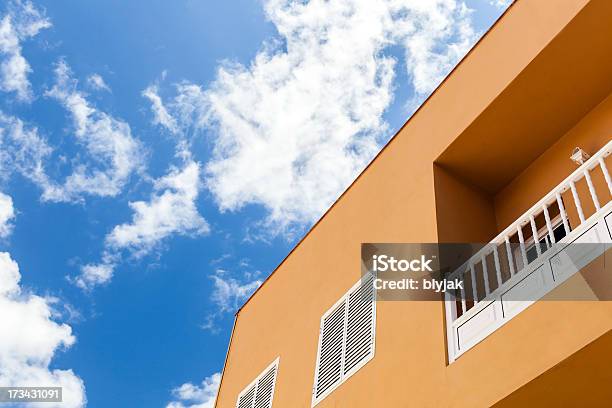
(108, 153)
(21, 22)
(500, 3)
(233, 282)
(113, 153)
(435, 35)
(7, 213)
(161, 116)
(30, 338)
(23, 150)
(171, 210)
(229, 293)
(295, 126)
(197, 396)
(92, 275)
(96, 82)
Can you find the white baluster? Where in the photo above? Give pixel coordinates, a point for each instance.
(509, 253)
(577, 201)
(497, 266)
(551, 234)
(474, 289)
(522, 244)
(587, 176)
(536, 239)
(485, 275)
(604, 170)
(563, 214)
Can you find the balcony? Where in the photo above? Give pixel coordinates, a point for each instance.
(532, 256)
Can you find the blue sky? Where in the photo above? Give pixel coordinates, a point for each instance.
(159, 159)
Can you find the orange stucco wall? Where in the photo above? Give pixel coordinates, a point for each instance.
(454, 200)
(591, 390)
(591, 133)
(397, 199)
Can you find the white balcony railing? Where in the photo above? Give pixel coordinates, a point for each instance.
(519, 266)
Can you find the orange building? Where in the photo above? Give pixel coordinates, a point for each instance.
(485, 159)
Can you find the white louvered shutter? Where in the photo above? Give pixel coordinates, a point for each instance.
(246, 400)
(260, 392)
(359, 327)
(265, 389)
(331, 348)
(346, 339)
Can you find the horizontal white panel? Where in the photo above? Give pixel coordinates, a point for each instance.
(477, 327)
(521, 295)
(578, 254)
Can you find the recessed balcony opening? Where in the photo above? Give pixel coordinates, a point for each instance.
(518, 262)
(522, 199)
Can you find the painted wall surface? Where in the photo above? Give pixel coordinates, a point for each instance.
(455, 201)
(553, 166)
(397, 199)
(591, 390)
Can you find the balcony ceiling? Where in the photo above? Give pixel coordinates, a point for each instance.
(567, 79)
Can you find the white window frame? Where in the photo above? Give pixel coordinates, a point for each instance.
(254, 383)
(358, 366)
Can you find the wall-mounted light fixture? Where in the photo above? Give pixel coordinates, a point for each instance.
(579, 156)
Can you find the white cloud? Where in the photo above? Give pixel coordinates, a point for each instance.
(294, 127)
(113, 154)
(21, 22)
(197, 396)
(234, 281)
(161, 116)
(501, 4)
(171, 210)
(435, 36)
(96, 82)
(96, 274)
(7, 213)
(30, 338)
(229, 294)
(23, 150)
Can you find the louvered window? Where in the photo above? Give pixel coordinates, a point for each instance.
(260, 392)
(346, 338)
